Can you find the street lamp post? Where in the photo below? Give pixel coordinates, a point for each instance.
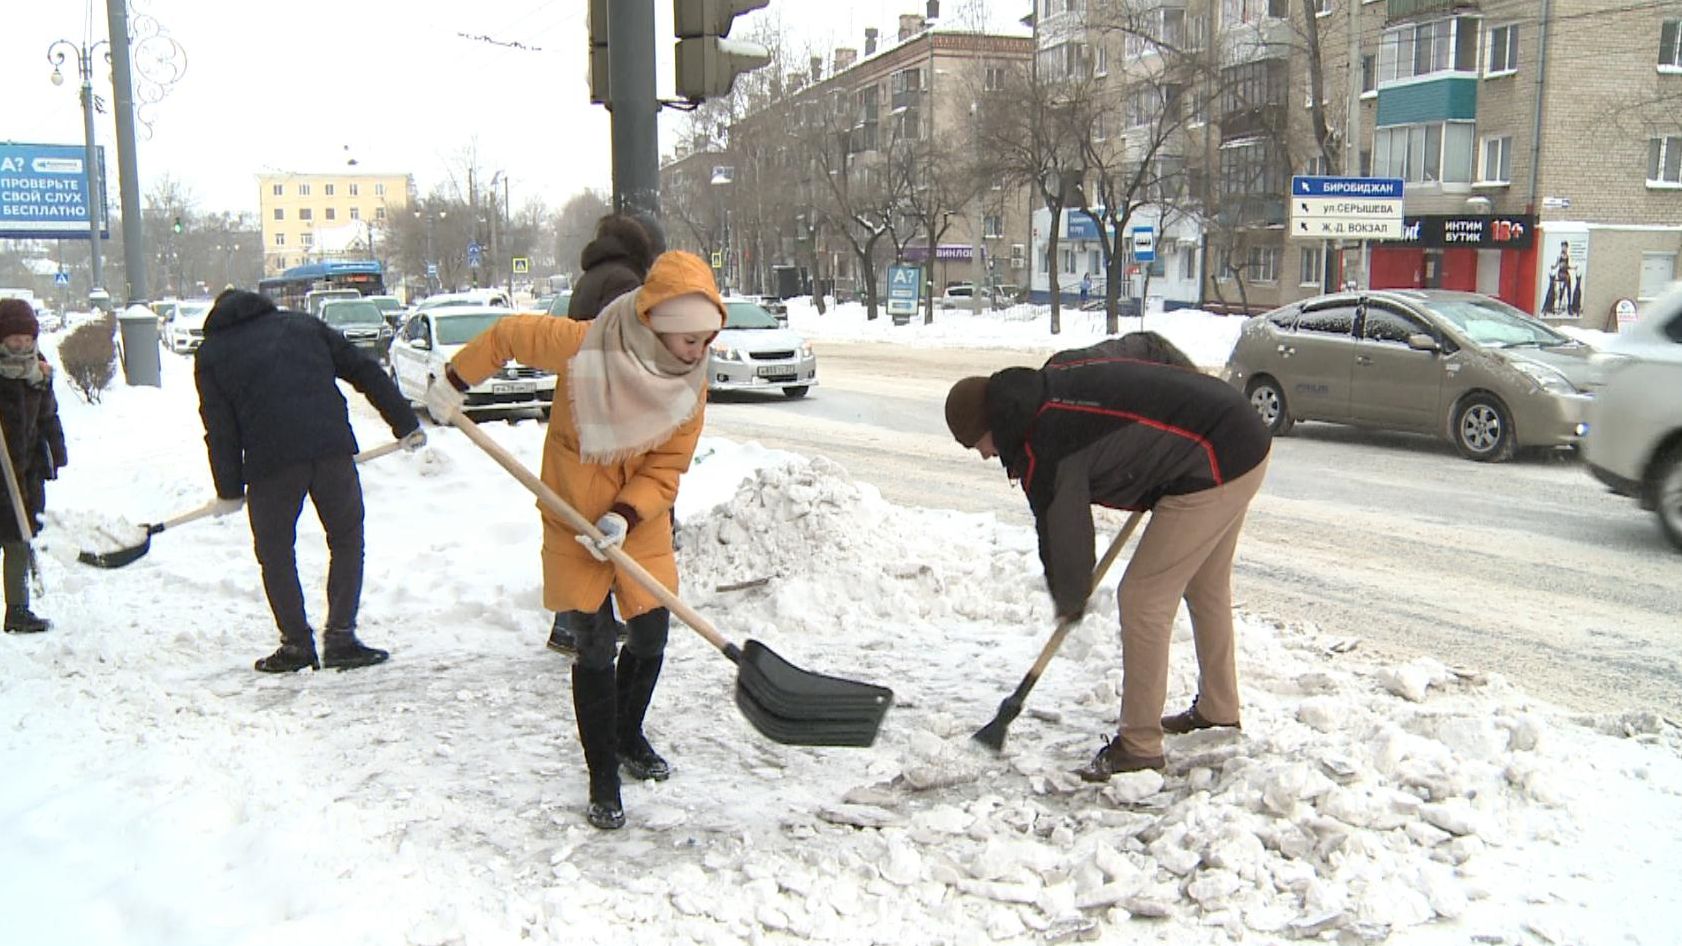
(57, 52)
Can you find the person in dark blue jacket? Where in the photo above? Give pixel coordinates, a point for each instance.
(1128, 426)
(278, 430)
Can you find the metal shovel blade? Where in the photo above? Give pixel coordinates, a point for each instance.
(799, 708)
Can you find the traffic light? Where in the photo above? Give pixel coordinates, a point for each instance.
(177, 227)
(707, 63)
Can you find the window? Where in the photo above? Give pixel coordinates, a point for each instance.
(1657, 271)
(280, 213)
(1312, 266)
(1384, 325)
(1188, 265)
(379, 213)
(1670, 44)
(1337, 320)
(331, 215)
(1101, 59)
(1252, 166)
(280, 239)
(303, 190)
(1369, 73)
(279, 190)
(353, 189)
(327, 189)
(1322, 7)
(1316, 166)
(1497, 160)
(306, 238)
(303, 213)
(1068, 261)
(993, 80)
(379, 190)
(1502, 59)
(1421, 49)
(1094, 261)
(993, 226)
(1426, 154)
(1100, 126)
(1263, 264)
(1664, 160)
(356, 213)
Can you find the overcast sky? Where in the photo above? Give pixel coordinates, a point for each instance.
(392, 83)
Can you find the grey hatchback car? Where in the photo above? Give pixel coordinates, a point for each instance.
(1458, 365)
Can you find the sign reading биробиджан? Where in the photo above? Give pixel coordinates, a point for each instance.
(44, 192)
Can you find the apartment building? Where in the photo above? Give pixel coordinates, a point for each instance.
(313, 217)
(855, 145)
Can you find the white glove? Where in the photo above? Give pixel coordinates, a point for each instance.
(613, 528)
(443, 400)
(415, 440)
(227, 507)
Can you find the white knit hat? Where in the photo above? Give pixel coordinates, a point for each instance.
(690, 312)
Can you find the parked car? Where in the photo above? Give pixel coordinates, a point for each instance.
(1634, 443)
(471, 297)
(427, 341)
(186, 326)
(777, 307)
(754, 353)
(957, 295)
(1463, 366)
(316, 298)
(361, 322)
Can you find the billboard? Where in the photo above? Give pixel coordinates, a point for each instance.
(43, 192)
(904, 284)
(1563, 262)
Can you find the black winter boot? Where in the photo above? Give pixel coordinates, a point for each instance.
(561, 640)
(636, 679)
(289, 658)
(21, 620)
(340, 650)
(593, 705)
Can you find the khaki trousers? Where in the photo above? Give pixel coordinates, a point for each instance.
(1186, 552)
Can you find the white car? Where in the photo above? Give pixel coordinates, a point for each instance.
(1634, 440)
(754, 353)
(186, 327)
(430, 338)
(472, 297)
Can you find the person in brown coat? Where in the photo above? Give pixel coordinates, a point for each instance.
(35, 443)
(630, 399)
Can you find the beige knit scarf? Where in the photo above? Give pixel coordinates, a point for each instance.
(629, 392)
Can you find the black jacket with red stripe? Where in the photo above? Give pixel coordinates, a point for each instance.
(1118, 433)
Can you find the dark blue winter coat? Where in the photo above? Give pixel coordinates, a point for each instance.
(267, 390)
(35, 440)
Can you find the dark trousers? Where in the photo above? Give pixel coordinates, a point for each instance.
(274, 504)
(596, 635)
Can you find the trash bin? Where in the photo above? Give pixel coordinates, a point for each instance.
(138, 343)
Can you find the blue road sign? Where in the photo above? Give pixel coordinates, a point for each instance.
(904, 287)
(43, 192)
(1144, 244)
(1373, 188)
(432, 269)
(473, 254)
(61, 278)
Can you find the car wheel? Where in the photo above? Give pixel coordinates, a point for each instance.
(1667, 493)
(1483, 430)
(798, 390)
(1269, 403)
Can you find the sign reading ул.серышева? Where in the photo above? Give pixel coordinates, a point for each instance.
(43, 192)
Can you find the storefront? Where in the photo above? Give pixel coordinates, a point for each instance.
(1494, 254)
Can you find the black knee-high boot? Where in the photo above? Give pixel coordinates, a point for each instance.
(636, 680)
(593, 702)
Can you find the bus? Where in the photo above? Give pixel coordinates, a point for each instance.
(291, 288)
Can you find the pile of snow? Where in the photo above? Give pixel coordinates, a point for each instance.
(159, 791)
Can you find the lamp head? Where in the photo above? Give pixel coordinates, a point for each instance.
(58, 77)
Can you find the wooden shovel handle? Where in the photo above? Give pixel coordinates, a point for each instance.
(552, 501)
(371, 454)
(1064, 627)
(26, 530)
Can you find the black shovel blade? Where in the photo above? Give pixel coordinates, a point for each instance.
(116, 559)
(800, 708)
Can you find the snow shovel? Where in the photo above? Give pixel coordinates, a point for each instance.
(992, 735)
(785, 703)
(26, 530)
(125, 556)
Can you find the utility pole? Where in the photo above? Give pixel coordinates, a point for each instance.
(128, 171)
(636, 133)
(1352, 125)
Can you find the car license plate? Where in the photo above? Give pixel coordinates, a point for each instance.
(513, 387)
(773, 371)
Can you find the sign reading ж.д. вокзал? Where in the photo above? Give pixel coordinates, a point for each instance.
(43, 192)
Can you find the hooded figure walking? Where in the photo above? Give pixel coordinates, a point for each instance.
(278, 430)
(1098, 426)
(35, 443)
(630, 399)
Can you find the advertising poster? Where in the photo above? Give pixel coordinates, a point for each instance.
(1563, 266)
(44, 192)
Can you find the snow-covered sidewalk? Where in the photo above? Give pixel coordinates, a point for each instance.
(160, 792)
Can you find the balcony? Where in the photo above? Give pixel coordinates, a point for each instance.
(1399, 10)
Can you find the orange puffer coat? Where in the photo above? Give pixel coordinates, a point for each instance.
(573, 580)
